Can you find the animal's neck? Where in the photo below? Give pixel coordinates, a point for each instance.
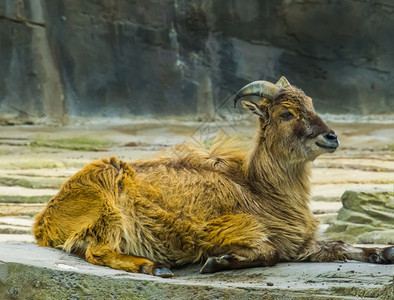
(272, 177)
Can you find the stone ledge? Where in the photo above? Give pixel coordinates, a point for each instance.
(29, 271)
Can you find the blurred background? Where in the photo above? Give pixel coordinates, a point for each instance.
(81, 80)
(124, 58)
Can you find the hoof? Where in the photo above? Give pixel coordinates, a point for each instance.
(388, 255)
(376, 259)
(215, 264)
(163, 272)
(208, 266)
(385, 256)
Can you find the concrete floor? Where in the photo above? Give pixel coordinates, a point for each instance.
(31, 272)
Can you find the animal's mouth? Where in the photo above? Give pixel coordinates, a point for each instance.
(327, 141)
(328, 147)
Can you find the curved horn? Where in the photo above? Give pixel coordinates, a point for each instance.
(259, 88)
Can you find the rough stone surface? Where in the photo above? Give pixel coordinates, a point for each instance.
(30, 272)
(121, 58)
(365, 218)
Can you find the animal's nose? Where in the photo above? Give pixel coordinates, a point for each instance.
(328, 141)
(331, 136)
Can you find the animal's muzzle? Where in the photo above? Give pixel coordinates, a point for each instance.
(328, 141)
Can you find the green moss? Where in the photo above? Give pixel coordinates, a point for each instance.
(5, 151)
(38, 163)
(358, 229)
(24, 199)
(77, 143)
(350, 216)
(326, 199)
(380, 293)
(13, 231)
(357, 201)
(388, 147)
(377, 237)
(337, 227)
(24, 214)
(34, 183)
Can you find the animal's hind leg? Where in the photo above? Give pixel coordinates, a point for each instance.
(238, 242)
(102, 242)
(105, 255)
(330, 251)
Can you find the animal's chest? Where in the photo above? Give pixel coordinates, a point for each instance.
(293, 237)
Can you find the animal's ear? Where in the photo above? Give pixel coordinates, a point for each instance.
(254, 108)
(282, 82)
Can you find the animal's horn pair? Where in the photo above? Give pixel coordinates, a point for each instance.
(261, 88)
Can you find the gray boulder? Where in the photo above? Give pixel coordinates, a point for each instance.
(364, 218)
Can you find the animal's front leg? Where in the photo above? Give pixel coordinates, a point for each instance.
(233, 261)
(332, 251)
(237, 242)
(379, 255)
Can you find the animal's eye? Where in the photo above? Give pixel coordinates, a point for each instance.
(287, 115)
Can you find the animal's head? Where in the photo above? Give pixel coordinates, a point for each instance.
(290, 127)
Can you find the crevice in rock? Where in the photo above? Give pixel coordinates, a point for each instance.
(22, 21)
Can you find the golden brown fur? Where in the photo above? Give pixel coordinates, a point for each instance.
(240, 208)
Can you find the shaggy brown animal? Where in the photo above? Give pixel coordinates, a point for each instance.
(227, 207)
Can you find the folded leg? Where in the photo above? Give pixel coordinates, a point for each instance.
(105, 255)
(332, 251)
(237, 242)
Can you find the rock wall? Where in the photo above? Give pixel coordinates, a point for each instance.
(118, 57)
